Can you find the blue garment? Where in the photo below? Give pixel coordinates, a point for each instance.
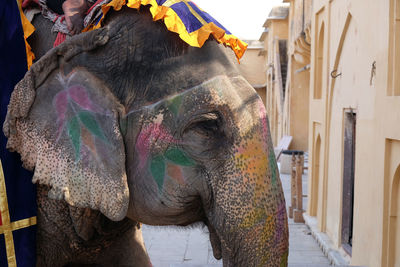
(21, 192)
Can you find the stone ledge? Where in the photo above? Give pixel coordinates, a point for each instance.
(336, 257)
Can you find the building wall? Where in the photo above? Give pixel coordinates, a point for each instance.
(298, 98)
(252, 67)
(355, 63)
(296, 17)
(296, 114)
(277, 30)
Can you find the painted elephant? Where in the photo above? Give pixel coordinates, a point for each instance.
(128, 124)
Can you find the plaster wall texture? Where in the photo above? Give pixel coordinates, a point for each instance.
(252, 67)
(288, 94)
(357, 33)
(296, 18)
(296, 105)
(298, 97)
(277, 30)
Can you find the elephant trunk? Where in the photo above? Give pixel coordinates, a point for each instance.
(248, 215)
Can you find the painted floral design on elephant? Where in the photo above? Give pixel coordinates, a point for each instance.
(168, 162)
(77, 113)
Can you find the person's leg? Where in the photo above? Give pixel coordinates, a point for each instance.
(75, 11)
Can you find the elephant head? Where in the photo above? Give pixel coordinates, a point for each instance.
(129, 120)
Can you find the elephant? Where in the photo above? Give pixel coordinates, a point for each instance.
(127, 124)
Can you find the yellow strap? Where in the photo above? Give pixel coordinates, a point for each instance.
(5, 217)
(7, 226)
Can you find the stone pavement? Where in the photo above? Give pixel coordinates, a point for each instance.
(190, 247)
(303, 249)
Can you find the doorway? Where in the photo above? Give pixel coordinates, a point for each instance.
(348, 180)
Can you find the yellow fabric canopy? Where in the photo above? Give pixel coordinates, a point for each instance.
(183, 17)
(172, 12)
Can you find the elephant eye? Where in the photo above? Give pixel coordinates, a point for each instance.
(206, 124)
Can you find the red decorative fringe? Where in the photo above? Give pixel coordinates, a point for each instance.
(59, 39)
(29, 3)
(95, 4)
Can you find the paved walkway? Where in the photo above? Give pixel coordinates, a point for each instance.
(303, 249)
(190, 247)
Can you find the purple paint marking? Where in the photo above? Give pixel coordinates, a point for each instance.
(150, 134)
(280, 223)
(60, 103)
(64, 100)
(80, 96)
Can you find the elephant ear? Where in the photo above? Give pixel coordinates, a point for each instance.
(67, 131)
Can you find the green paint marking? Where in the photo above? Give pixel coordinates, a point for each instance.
(74, 132)
(174, 104)
(157, 167)
(178, 157)
(255, 216)
(91, 124)
(284, 259)
(272, 165)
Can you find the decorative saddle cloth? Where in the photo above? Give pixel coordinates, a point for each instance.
(184, 17)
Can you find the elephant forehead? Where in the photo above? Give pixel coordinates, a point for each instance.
(234, 93)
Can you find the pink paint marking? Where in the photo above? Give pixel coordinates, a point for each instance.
(240, 150)
(80, 96)
(60, 103)
(265, 129)
(280, 223)
(149, 135)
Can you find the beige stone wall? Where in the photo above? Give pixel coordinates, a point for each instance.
(252, 67)
(296, 109)
(296, 17)
(298, 99)
(288, 105)
(347, 38)
(277, 30)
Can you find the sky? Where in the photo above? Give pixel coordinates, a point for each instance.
(243, 18)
